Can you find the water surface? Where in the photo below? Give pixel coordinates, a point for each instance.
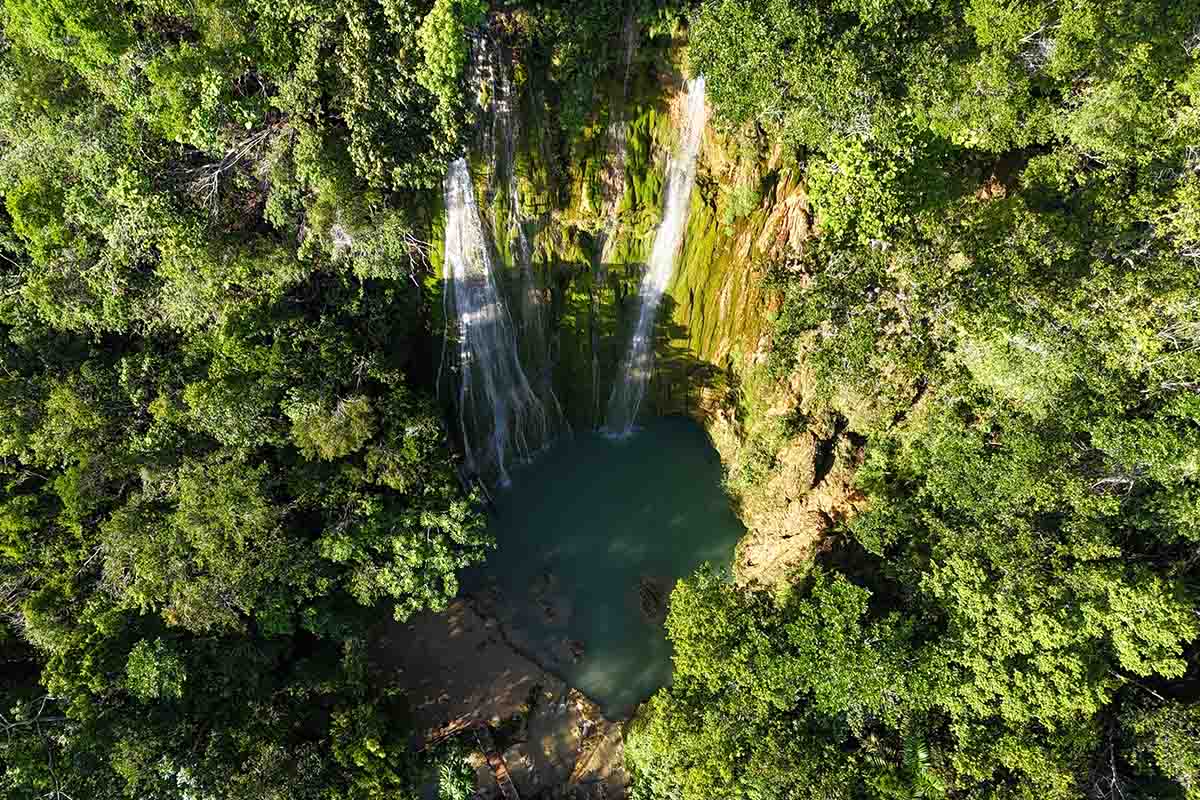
(588, 535)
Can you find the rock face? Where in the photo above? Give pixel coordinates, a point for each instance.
(590, 233)
(804, 461)
(789, 522)
(457, 670)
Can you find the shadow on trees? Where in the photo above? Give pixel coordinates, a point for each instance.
(600, 308)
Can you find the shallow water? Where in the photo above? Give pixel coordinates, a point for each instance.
(587, 535)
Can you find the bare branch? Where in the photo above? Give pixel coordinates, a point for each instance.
(205, 180)
(1133, 682)
(1191, 45)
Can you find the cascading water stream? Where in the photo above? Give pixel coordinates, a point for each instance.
(613, 181)
(634, 374)
(612, 188)
(504, 134)
(533, 322)
(500, 416)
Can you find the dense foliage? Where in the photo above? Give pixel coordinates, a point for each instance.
(219, 451)
(1004, 299)
(220, 455)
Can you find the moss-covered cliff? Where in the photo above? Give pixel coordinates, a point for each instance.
(591, 199)
(588, 200)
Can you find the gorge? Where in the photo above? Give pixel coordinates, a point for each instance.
(663, 399)
(594, 530)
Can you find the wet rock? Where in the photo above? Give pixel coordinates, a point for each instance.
(551, 601)
(570, 750)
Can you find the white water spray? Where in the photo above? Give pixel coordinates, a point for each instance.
(634, 374)
(504, 137)
(499, 414)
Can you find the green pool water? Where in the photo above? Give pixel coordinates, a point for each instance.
(589, 537)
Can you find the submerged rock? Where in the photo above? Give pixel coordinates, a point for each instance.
(652, 596)
(552, 602)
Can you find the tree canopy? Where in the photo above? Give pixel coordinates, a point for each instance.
(220, 448)
(1002, 302)
(221, 452)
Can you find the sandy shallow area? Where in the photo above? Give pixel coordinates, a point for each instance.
(459, 668)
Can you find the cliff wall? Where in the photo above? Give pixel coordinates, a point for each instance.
(587, 202)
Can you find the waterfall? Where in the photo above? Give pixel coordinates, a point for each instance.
(634, 373)
(503, 140)
(499, 414)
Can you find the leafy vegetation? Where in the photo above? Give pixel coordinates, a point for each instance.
(219, 450)
(220, 454)
(1006, 280)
